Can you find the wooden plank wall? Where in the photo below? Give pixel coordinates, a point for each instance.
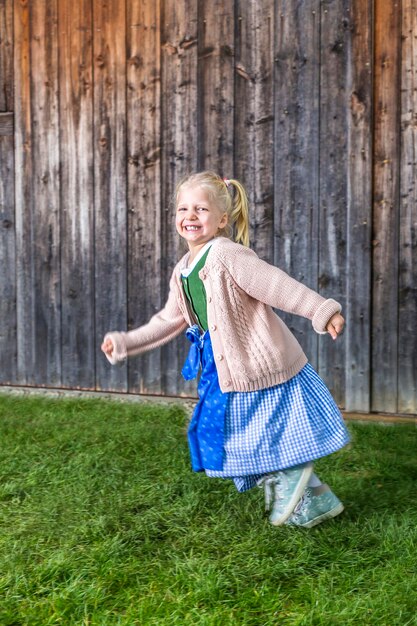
(37, 180)
(77, 194)
(145, 243)
(8, 324)
(359, 203)
(407, 251)
(297, 152)
(386, 205)
(104, 105)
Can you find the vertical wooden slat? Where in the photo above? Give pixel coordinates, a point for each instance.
(46, 164)
(23, 192)
(8, 339)
(407, 337)
(6, 55)
(37, 193)
(144, 181)
(110, 180)
(386, 207)
(216, 85)
(179, 142)
(77, 200)
(296, 150)
(335, 30)
(254, 118)
(359, 206)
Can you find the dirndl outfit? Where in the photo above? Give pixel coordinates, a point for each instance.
(244, 435)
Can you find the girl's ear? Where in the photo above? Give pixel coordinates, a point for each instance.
(224, 220)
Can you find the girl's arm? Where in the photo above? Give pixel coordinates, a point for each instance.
(161, 328)
(274, 287)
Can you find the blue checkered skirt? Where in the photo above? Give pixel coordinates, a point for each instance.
(267, 430)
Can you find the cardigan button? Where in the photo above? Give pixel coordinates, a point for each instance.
(209, 299)
(220, 357)
(227, 383)
(213, 327)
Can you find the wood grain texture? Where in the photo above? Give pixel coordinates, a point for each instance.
(8, 327)
(23, 193)
(144, 182)
(407, 313)
(335, 31)
(216, 52)
(296, 153)
(8, 324)
(386, 207)
(6, 125)
(77, 193)
(254, 118)
(359, 208)
(106, 104)
(37, 193)
(6, 55)
(110, 167)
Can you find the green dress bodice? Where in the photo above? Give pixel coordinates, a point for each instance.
(195, 292)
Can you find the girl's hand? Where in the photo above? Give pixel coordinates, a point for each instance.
(107, 347)
(335, 325)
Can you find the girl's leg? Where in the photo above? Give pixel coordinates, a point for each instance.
(314, 481)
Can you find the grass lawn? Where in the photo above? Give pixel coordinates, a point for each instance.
(103, 523)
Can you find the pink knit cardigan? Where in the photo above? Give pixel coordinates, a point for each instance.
(253, 348)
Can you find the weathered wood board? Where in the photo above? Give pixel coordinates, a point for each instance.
(106, 104)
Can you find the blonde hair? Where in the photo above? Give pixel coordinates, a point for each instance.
(229, 196)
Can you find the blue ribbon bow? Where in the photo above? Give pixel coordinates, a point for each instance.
(192, 363)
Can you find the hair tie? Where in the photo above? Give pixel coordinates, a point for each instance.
(226, 182)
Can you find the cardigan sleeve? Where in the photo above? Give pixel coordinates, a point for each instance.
(274, 287)
(161, 328)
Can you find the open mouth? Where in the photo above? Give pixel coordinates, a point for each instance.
(192, 228)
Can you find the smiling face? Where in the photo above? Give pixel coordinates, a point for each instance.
(197, 219)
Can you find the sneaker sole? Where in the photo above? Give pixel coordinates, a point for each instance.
(321, 518)
(305, 477)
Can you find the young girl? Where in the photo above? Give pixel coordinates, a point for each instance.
(263, 413)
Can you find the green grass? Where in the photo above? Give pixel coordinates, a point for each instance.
(103, 523)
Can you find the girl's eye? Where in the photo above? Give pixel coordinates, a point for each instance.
(202, 208)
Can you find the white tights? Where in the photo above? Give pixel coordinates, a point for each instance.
(314, 481)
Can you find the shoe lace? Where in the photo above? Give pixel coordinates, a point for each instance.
(302, 505)
(273, 488)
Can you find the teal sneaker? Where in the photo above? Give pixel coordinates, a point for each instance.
(283, 490)
(316, 505)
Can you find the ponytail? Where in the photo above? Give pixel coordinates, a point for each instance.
(239, 214)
